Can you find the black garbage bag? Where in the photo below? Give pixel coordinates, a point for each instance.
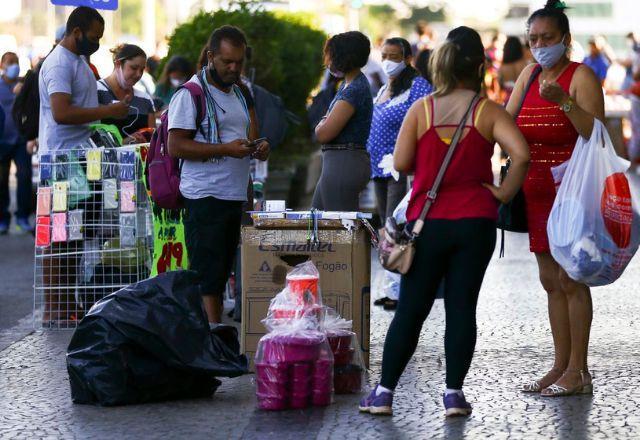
(151, 341)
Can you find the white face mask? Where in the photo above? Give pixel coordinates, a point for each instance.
(392, 68)
(549, 56)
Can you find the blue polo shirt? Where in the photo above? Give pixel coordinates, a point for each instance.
(10, 135)
(598, 64)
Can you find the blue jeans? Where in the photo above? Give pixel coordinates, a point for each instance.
(18, 154)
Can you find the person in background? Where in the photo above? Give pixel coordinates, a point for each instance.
(425, 37)
(68, 104)
(176, 72)
(344, 130)
(597, 61)
(628, 61)
(373, 70)
(421, 64)
(561, 104)
(404, 87)
(13, 148)
(129, 62)
(459, 233)
(513, 63)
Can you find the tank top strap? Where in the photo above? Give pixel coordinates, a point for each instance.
(567, 75)
(477, 110)
(427, 116)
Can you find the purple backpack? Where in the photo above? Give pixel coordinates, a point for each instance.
(162, 171)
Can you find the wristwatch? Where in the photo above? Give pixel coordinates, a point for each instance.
(567, 105)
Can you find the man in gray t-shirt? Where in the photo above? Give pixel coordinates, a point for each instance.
(68, 94)
(215, 170)
(68, 103)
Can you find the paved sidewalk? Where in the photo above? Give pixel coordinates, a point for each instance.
(514, 344)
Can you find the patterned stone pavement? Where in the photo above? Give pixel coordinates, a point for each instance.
(514, 344)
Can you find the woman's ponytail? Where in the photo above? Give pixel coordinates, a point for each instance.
(442, 68)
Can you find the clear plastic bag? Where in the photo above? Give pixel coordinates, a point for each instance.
(301, 297)
(294, 367)
(391, 285)
(349, 370)
(400, 213)
(594, 225)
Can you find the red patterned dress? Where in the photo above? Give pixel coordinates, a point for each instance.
(551, 138)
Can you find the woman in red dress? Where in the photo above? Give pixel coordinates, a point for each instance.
(559, 106)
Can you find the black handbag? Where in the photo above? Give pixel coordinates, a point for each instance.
(512, 216)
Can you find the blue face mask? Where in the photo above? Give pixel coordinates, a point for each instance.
(549, 56)
(12, 71)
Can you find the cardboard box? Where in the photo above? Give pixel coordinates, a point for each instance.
(342, 256)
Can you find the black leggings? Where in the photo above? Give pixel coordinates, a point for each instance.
(459, 251)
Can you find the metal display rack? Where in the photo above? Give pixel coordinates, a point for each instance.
(93, 231)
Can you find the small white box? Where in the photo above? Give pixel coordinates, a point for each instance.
(275, 205)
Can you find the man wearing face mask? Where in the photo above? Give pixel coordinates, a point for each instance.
(13, 148)
(68, 104)
(216, 154)
(68, 92)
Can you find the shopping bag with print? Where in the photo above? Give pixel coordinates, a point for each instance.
(594, 225)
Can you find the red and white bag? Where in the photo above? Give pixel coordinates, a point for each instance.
(594, 225)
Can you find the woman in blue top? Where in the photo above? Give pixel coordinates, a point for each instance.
(344, 130)
(405, 86)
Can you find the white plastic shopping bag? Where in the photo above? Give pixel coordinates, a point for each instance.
(594, 225)
(400, 213)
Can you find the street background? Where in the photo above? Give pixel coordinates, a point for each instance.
(514, 344)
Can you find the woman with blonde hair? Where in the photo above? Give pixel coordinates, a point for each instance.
(459, 232)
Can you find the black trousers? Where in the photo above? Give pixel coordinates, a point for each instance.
(458, 251)
(389, 194)
(18, 154)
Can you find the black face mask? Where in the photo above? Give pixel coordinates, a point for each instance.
(85, 46)
(218, 80)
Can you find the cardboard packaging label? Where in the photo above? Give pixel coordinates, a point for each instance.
(343, 258)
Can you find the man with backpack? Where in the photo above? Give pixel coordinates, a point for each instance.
(215, 153)
(13, 149)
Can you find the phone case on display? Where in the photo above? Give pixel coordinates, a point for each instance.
(127, 197)
(45, 168)
(127, 164)
(110, 193)
(61, 168)
(75, 220)
(109, 164)
(94, 168)
(127, 230)
(59, 229)
(60, 190)
(43, 231)
(44, 201)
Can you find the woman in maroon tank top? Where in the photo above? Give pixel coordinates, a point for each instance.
(459, 234)
(561, 104)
